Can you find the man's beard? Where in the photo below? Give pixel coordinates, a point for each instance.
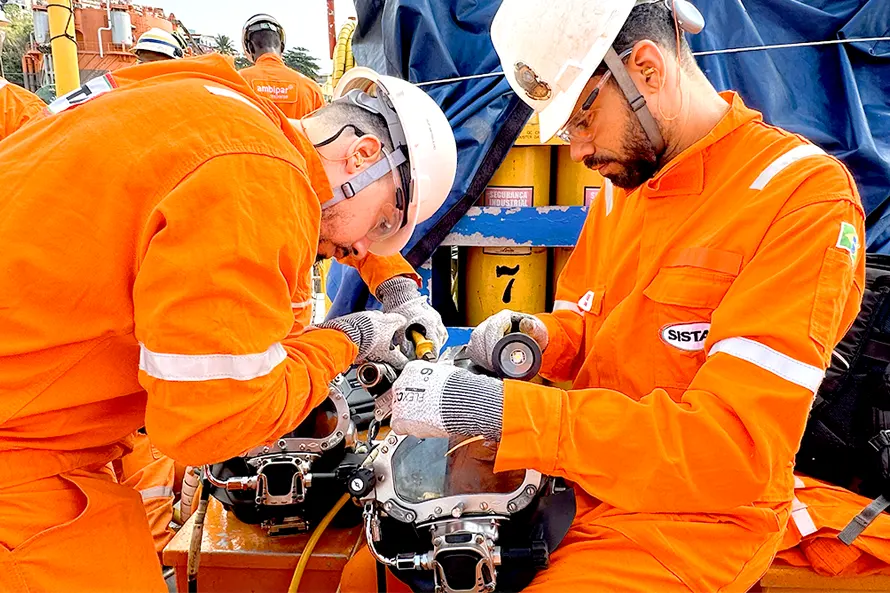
(641, 162)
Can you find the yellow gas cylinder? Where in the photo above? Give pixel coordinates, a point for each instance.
(576, 185)
(514, 278)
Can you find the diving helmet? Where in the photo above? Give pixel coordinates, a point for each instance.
(290, 483)
(443, 521)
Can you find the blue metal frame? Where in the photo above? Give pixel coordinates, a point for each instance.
(546, 226)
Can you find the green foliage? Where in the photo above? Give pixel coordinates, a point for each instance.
(241, 62)
(302, 61)
(18, 34)
(224, 45)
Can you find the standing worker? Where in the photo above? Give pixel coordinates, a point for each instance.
(17, 107)
(162, 289)
(696, 316)
(263, 40)
(157, 44)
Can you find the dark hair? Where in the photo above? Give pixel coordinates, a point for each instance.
(265, 41)
(655, 22)
(334, 116)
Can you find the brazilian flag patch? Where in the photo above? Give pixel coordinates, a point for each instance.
(848, 240)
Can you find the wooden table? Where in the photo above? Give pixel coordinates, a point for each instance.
(240, 557)
(789, 579)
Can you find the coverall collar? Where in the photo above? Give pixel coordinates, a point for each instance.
(269, 57)
(685, 173)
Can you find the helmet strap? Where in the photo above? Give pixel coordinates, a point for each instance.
(360, 181)
(636, 100)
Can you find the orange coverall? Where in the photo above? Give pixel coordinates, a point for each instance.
(17, 107)
(820, 512)
(696, 317)
(150, 276)
(296, 95)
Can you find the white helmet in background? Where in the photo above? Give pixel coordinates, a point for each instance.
(417, 126)
(260, 22)
(550, 49)
(160, 41)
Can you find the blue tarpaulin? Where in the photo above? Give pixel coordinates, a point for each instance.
(428, 40)
(838, 96)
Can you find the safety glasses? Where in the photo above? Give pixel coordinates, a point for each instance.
(393, 215)
(579, 127)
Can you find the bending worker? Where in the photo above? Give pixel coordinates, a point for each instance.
(697, 314)
(150, 473)
(164, 289)
(17, 107)
(263, 39)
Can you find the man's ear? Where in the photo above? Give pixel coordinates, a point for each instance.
(648, 66)
(363, 152)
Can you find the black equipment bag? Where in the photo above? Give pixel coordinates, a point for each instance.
(847, 437)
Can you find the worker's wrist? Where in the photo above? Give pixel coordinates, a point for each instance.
(473, 405)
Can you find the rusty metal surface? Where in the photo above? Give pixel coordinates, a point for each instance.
(229, 543)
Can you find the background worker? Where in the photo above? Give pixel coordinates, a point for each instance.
(263, 40)
(160, 290)
(697, 314)
(157, 44)
(17, 107)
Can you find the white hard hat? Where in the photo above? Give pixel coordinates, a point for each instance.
(260, 22)
(549, 50)
(425, 133)
(160, 41)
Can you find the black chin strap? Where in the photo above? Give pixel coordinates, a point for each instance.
(636, 100)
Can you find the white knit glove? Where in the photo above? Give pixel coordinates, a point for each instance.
(399, 295)
(438, 400)
(375, 334)
(487, 334)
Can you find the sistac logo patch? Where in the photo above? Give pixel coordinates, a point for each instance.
(686, 336)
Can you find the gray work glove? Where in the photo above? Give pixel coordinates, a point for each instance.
(374, 334)
(487, 334)
(399, 295)
(438, 400)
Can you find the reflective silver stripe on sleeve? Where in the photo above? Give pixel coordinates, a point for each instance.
(771, 360)
(221, 92)
(157, 492)
(566, 306)
(784, 161)
(208, 367)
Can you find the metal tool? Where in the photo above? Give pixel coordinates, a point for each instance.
(516, 355)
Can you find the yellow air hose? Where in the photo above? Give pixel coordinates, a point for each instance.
(313, 540)
(343, 59)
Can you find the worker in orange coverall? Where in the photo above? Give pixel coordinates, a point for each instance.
(17, 107)
(263, 39)
(159, 229)
(714, 275)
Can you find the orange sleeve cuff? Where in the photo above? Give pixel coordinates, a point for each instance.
(377, 269)
(561, 354)
(531, 427)
(337, 345)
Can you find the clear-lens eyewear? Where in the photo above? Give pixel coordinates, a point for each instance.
(580, 128)
(394, 213)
